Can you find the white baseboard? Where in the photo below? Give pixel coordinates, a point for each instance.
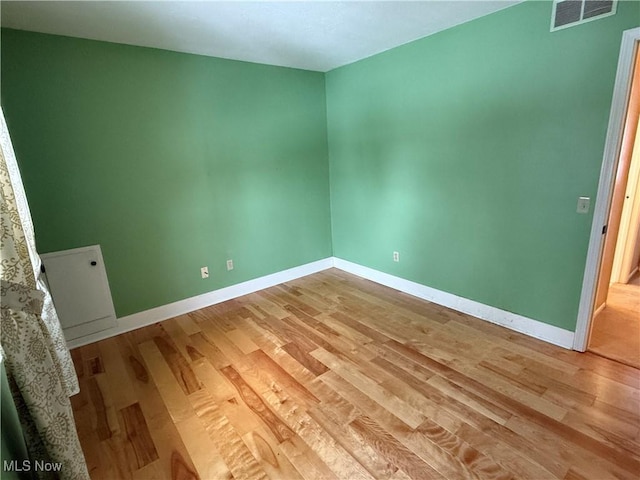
(599, 309)
(513, 321)
(164, 312)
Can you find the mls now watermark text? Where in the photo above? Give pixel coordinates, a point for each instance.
(27, 466)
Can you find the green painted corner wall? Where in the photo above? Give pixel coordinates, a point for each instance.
(169, 161)
(466, 152)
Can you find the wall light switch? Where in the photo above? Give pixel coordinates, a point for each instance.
(204, 272)
(229, 264)
(583, 205)
(396, 256)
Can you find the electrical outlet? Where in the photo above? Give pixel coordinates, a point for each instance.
(396, 256)
(229, 264)
(204, 272)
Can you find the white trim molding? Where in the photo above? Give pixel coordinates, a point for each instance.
(621, 89)
(528, 326)
(599, 309)
(513, 321)
(164, 312)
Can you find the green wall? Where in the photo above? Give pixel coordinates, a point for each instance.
(169, 161)
(466, 151)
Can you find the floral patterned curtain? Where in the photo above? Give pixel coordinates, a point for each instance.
(32, 345)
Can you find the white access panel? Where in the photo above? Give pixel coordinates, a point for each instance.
(78, 282)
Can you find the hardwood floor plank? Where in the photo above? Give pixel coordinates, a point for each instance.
(259, 334)
(302, 427)
(370, 333)
(400, 431)
(223, 315)
(118, 460)
(215, 383)
(205, 347)
(178, 365)
(306, 461)
(151, 471)
(279, 297)
(423, 404)
(274, 374)
(606, 415)
(376, 465)
(369, 387)
(177, 337)
(330, 452)
(117, 375)
(452, 456)
(178, 452)
(392, 450)
(622, 437)
(400, 475)
(242, 341)
(214, 335)
(180, 470)
(577, 455)
(493, 393)
(170, 390)
(296, 332)
(305, 358)
(515, 343)
(325, 336)
(139, 370)
(262, 301)
(272, 460)
(470, 399)
(205, 461)
(95, 366)
(612, 392)
(241, 417)
(515, 377)
(86, 429)
(519, 409)
(228, 442)
(135, 427)
(287, 362)
(542, 364)
(502, 446)
(187, 324)
(333, 404)
(271, 326)
(279, 429)
(103, 428)
(344, 331)
(452, 414)
(162, 429)
(334, 377)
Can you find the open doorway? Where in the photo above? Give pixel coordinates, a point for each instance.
(608, 213)
(615, 330)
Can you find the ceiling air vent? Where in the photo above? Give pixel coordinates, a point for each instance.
(567, 13)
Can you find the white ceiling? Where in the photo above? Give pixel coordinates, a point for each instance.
(312, 35)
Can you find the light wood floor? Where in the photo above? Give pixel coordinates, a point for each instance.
(334, 377)
(615, 332)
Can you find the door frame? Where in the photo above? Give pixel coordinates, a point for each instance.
(630, 43)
